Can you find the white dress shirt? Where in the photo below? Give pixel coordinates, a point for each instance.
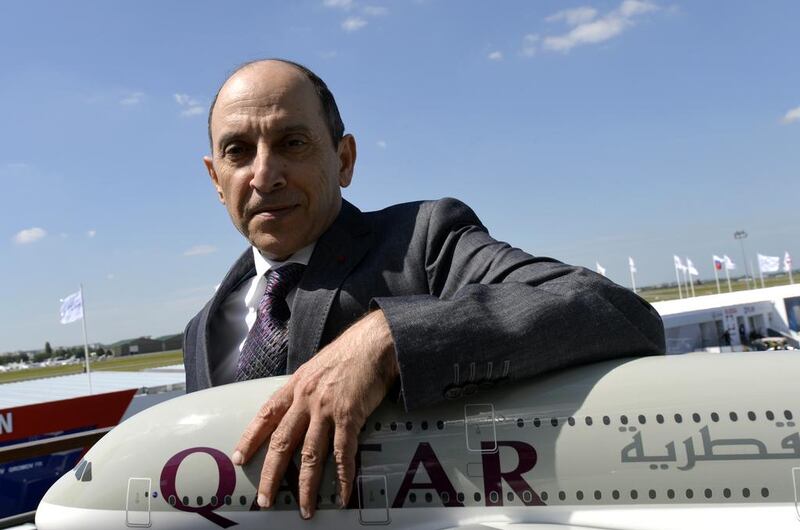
(237, 314)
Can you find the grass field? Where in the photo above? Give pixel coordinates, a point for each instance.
(710, 287)
(129, 363)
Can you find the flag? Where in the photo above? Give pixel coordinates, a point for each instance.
(787, 262)
(729, 264)
(718, 262)
(768, 263)
(690, 268)
(71, 308)
(600, 268)
(678, 264)
(632, 265)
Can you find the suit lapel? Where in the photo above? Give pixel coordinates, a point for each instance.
(337, 252)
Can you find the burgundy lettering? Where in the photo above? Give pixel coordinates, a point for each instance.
(492, 474)
(439, 481)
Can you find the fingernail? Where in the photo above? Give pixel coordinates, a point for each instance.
(262, 501)
(304, 513)
(238, 458)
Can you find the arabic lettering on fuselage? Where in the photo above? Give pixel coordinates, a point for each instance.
(737, 449)
(424, 457)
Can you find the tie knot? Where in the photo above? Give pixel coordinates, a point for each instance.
(283, 279)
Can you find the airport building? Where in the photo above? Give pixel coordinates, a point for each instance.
(731, 321)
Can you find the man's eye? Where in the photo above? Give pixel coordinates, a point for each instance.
(233, 150)
(295, 142)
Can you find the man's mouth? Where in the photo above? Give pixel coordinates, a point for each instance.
(273, 212)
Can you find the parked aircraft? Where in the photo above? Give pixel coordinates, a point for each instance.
(689, 441)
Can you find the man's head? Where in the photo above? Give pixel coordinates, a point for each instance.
(278, 155)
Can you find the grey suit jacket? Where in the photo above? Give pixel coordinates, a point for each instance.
(465, 311)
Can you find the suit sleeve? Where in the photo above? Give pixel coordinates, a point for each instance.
(495, 313)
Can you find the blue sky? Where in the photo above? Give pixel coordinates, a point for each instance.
(588, 131)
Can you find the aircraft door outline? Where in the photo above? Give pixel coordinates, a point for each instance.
(373, 500)
(137, 503)
(480, 427)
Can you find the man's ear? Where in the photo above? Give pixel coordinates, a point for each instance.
(214, 179)
(347, 159)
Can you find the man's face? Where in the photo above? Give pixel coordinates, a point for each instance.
(273, 162)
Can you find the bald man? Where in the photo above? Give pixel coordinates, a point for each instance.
(417, 295)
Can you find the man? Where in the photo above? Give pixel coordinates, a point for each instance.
(417, 295)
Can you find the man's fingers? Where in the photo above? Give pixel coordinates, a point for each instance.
(312, 464)
(345, 446)
(281, 448)
(262, 426)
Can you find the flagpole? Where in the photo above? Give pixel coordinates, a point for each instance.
(716, 276)
(728, 277)
(678, 277)
(85, 341)
(760, 273)
(633, 281)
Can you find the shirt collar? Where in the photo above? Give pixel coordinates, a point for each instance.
(264, 264)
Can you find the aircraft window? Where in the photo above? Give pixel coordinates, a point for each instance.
(412, 497)
(727, 493)
(87, 473)
(544, 495)
(623, 419)
(571, 421)
(659, 418)
(460, 497)
(615, 494)
(746, 492)
(537, 422)
(751, 415)
(678, 418)
(714, 417)
(734, 416)
(588, 420)
(554, 422)
(689, 494)
(510, 497)
(526, 496)
(671, 494)
(634, 494)
(642, 419)
(199, 501)
(214, 500)
(579, 495)
(228, 500)
(428, 497)
(185, 500)
(445, 497)
(606, 420)
(696, 417)
(477, 497)
(598, 495)
(787, 414)
(409, 425)
(562, 496)
(424, 425)
(652, 494)
(708, 493)
(494, 497)
(377, 425)
(242, 500)
(79, 470)
(440, 425)
(520, 423)
(770, 415)
(172, 500)
(393, 426)
(764, 492)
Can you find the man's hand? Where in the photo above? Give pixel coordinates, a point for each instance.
(330, 395)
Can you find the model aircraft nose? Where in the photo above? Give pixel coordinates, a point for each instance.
(53, 511)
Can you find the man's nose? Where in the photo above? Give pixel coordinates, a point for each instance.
(269, 170)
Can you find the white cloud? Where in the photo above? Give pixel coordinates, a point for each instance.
(200, 250)
(110, 276)
(792, 116)
(353, 24)
(91, 233)
(573, 17)
(191, 106)
(29, 235)
(595, 30)
(375, 11)
(381, 144)
(529, 43)
(496, 56)
(134, 98)
(338, 4)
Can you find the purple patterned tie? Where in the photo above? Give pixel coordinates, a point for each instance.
(264, 352)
